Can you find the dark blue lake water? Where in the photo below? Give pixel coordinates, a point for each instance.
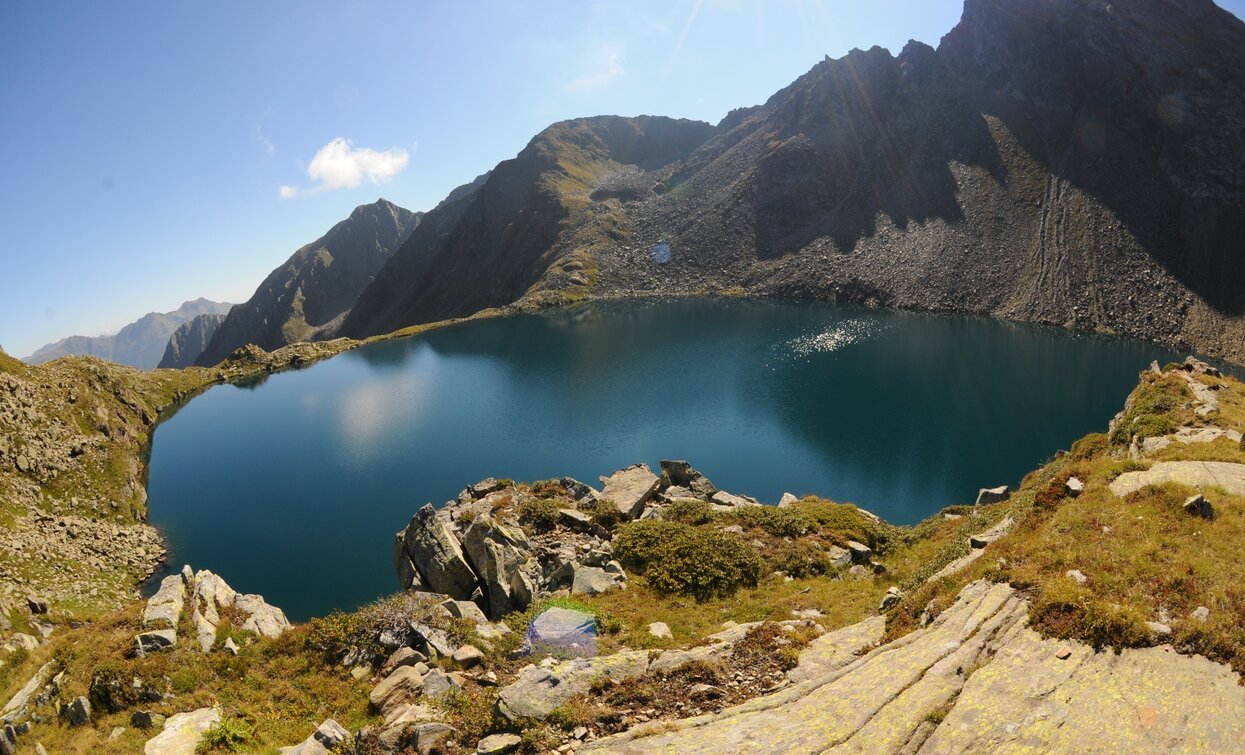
(294, 487)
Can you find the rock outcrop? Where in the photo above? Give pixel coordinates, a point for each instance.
(182, 733)
(211, 600)
(476, 548)
(974, 680)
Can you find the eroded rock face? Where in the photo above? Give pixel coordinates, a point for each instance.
(209, 595)
(434, 551)
(502, 556)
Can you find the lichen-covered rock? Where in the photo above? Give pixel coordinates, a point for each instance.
(164, 609)
(182, 732)
(538, 691)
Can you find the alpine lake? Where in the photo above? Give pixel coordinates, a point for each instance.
(294, 486)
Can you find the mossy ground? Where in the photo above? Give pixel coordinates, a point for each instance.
(280, 689)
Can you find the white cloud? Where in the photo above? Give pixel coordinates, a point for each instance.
(341, 165)
(604, 74)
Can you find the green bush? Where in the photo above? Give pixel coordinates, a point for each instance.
(230, 734)
(840, 522)
(548, 489)
(184, 681)
(637, 544)
(689, 511)
(785, 522)
(1090, 446)
(800, 560)
(679, 558)
(1154, 409)
(541, 514)
(603, 513)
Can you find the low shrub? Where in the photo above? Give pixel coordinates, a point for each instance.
(689, 511)
(541, 514)
(785, 522)
(1054, 492)
(1090, 446)
(679, 558)
(548, 488)
(603, 513)
(111, 688)
(1066, 610)
(840, 522)
(231, 734)
(799, 560)
(1155, 408)
(639, 543)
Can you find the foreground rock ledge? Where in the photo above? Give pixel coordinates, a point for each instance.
(1006, 689)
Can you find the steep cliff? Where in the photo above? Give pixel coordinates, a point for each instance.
(189, 341)
(317, 284)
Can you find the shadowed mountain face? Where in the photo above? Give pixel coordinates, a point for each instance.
(139, 344)
(492, 240)
(189, 341)
(300, 300)
(1072, 162)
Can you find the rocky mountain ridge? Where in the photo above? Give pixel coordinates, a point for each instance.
(189, 341)
(139, 344)
(303, 299)
(1074, 162)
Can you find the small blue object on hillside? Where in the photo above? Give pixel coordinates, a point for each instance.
(661, 253)
(563, 633)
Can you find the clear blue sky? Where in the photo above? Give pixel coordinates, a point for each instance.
(147, 143)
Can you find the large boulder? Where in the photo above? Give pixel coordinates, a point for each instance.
(164, 609)
(678, 473)
(261, 618)
(563, 632)
(182, 733)
(434, 552)
(400, 688)
(592, 580)
(326, 739)
(502, 556)
(538, 691)
(630, 489)
(986, 496)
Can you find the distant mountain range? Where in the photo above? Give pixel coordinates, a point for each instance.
(300, 300)
(140, 344)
